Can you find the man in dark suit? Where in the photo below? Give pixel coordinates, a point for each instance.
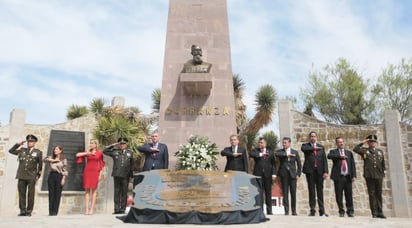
(28, 172)
(122, 172)
(157, 155)
(289, 172)
(374, 172)
(236, 157)
(266, 169)
(343, 174)
(315, 168)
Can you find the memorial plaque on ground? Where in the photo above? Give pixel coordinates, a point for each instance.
(71, 142)
(193, 196)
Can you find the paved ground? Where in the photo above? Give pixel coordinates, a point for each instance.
(109, 220)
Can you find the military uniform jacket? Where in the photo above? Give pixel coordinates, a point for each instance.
(373, 161)
(122, 161)
(30, 163)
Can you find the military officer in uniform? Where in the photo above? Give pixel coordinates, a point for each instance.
(28, 172)
(122, 172)
(373, 171)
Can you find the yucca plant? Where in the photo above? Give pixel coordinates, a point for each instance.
(97, 106)
(76, 111)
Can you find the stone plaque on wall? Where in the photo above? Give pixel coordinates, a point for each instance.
(71, 142)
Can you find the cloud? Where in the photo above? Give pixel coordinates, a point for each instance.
(58, 53)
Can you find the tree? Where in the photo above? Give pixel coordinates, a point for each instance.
(265, 100)
(76, 111)
(338, 94)
(393, 90)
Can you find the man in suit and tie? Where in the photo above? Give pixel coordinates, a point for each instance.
(289, 172)
(157, 155)
(374, 172)
(236, 157)
(122, 172)
(343, 174)
(315, 167)
(266, 169)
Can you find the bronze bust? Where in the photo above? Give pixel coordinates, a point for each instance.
(196, 65)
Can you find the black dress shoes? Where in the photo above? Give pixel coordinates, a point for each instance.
(381, 216)
(342, 215)
(294, 214)
(22, 214)
(351, 215)
(312, 214)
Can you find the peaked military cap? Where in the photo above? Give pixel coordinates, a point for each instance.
(31, 138)
(122, 140)
(372, 138)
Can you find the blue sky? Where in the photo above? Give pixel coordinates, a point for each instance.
(57, 53)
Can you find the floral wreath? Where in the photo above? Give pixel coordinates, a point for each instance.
(198, 154)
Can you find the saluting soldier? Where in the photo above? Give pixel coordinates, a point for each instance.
(373, 171)
(28, 172)
(122, 172)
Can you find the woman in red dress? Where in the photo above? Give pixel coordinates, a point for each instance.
(91, 173)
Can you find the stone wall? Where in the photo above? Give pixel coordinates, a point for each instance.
(352, 134)
(72, 201)
(406, 131)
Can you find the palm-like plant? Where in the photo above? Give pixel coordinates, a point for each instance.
(122, 122)
(265, 99)
(109, 129)
(156, 94)
(271, 140)
(76, 111)
(97, 106)
(238, 88)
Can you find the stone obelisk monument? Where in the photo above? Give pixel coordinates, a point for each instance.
(197, 88)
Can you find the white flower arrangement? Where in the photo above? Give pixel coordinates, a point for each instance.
(199, 154)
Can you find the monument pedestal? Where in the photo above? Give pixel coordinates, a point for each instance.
(197, 98)
(197, 84)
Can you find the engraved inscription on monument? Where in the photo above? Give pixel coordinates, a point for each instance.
(191, 190)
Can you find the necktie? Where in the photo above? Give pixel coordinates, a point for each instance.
(264, 153)
(287, 154)
(342, 153)
(315, 152)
